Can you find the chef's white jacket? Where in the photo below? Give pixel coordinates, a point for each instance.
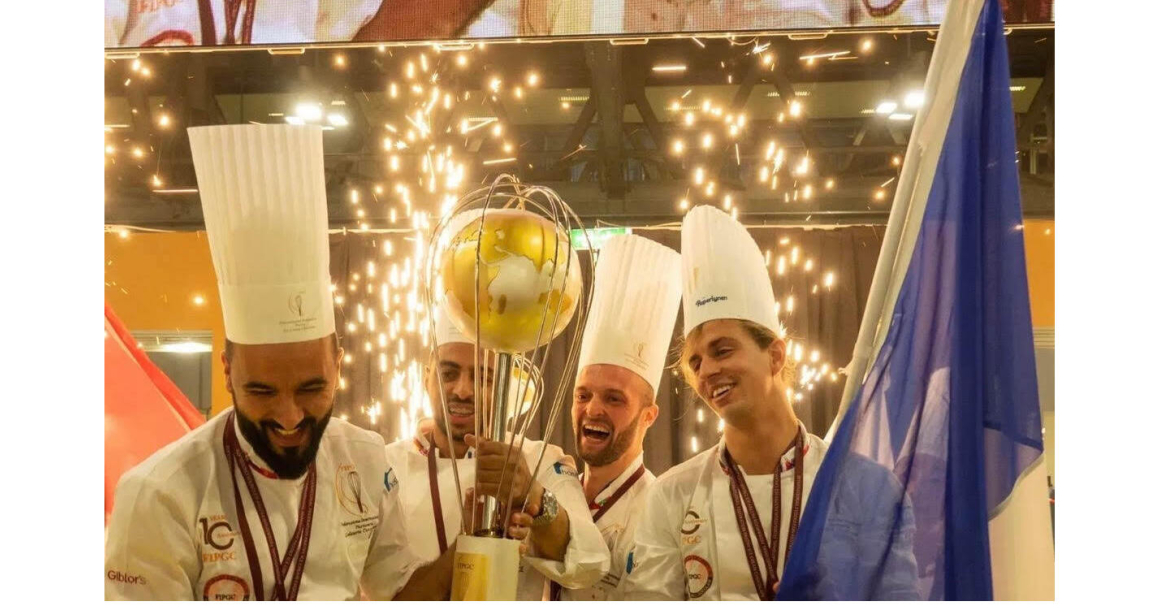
(174, 535)
(586, 557)
(617, 526)
(688, 545)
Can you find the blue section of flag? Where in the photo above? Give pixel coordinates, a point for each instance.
(947, 418)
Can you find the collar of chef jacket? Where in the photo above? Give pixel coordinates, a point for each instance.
(611, 488)
(420, 443)
(698, 530)
(615, 528)
(257, 464)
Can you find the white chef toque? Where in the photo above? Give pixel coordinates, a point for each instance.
(634, 306)
(723, 272)
(263, 195)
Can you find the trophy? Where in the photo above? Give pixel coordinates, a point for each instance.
(502, 266)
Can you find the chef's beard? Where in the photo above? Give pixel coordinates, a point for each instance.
(289, 463)
(621, 440)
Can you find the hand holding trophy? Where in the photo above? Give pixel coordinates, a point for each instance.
(502, 266)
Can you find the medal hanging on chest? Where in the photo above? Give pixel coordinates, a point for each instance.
(295, 558)
(743, 504)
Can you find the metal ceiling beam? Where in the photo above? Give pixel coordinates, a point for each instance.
(1037, 111)
(605, 63)
(575, 136)
(647, 200)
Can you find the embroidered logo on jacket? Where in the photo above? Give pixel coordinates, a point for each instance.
(226, 588)
(698, 575)
(564, 469)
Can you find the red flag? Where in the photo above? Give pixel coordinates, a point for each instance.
(144, 410)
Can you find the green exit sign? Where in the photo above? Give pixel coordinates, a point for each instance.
(598, 236)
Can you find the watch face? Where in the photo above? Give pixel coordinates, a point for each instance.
(548, 509)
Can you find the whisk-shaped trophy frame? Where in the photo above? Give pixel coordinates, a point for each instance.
(487, 563)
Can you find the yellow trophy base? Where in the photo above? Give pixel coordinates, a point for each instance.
(486, 569)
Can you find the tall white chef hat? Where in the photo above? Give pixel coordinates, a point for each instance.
(724, 273)
(634, 306)
(445, 331)
(263, 196)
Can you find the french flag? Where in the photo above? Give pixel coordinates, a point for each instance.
(934, 485)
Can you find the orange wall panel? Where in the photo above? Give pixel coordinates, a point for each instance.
(152, 281)
(1039, 240)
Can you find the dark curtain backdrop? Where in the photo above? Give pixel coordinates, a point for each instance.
(826, 321)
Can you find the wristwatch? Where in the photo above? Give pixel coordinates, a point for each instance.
(548, 510)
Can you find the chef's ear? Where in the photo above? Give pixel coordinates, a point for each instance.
(650, 414)
(227, 355)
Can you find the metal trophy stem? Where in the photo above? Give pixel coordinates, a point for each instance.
(497, 431)
(475, 272)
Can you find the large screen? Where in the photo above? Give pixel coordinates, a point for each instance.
(155, 23)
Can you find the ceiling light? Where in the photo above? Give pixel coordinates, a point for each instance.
(913, 99)
(308, 112)
(886, 107)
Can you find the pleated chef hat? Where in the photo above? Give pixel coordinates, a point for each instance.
(445, 331)
(634, 306)
(263, 196)
(723, 271)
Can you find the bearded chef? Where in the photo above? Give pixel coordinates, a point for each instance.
(720, 525)
(622, 358)
(563, 544)
(272, 498)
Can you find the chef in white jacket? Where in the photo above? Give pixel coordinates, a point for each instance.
(635, 299)
(563, 546)
(272, 498)
(706, 533)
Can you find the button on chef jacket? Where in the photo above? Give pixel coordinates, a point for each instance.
(174, 530)
(617, 526)
(688, 545)
(586, 557)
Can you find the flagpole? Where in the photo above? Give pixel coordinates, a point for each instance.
(883, 269)
(949, 57)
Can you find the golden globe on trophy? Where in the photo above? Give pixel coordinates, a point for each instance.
(502, 267)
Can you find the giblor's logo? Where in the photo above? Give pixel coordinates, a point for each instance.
(639, 347)
(348, 487)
